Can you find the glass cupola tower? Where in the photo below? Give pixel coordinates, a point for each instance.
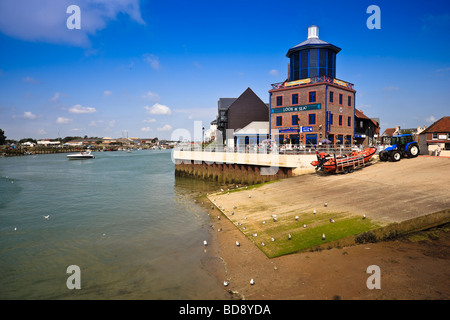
(313, 57)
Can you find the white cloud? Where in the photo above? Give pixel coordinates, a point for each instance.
(151, 120)
(29, 79)
(165, 128)
(45, 20)
(29, 115)
(79, 109)
(107, 93)
(158, 109)
(152, 96)
(430, 119)
(274, 72)
(55, 97)
(62, 120)
(152, 60)
(146, 129)
(42, 132)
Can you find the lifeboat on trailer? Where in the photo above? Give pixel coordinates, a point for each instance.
(342, 163)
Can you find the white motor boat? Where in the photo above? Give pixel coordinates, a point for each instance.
(80, 156)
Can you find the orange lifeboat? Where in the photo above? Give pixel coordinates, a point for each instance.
(342, 163)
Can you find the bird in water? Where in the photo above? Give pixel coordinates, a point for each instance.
(47, 217)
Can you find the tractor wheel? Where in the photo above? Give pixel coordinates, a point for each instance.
(413, 151)
(383, 156)
(396, 156)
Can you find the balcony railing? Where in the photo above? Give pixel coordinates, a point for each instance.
(321, 79)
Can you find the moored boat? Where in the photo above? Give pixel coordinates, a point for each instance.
(81, 156)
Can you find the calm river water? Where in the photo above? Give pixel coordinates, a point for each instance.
(134, 230)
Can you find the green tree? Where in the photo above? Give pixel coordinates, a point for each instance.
(2, 137)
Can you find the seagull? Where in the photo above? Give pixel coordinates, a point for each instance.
(218, 217)
(249, 195)
(243, 228)
(304, 225)
(323, 236)
(212, 207)
(255, 234)
(274, 219)
(314, 211)
(272, 239)
(245, 218)
(228, 193)
(221, 190)
(296, 218)
(237, 186)
(226, 283)
(364, 216)
(331, 220)
(46, 217)
(232, 212)
(252, 282)
(237, 244)
(205, 243)
(264, 222)
(262, 244)
(325, 204)
(220, 229)
(289, 236)
(234, 207)
(15, 228)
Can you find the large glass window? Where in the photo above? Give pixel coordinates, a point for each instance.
(311, 140)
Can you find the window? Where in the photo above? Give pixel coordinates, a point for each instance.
(361, 124)
(295, 120)
(331, 96)
(281, 139)
(349, 100)
(340, 98)
(311, 118)
(348, 140)
(332, 119)
(310, 139)
(295, 98)
(434, 136)
(349, 121)
(279, 121)
(312, 96)
(340, 121)
(279, 101)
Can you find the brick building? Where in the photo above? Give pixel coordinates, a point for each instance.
(312, 105)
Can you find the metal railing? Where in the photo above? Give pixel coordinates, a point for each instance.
(318, 79)
(267, 149)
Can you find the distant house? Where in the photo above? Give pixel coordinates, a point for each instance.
(367, 130)
(236, 113)
(435, 137)
(48, 143)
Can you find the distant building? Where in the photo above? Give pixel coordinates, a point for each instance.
(252, 134)
(48, 143)
(236, 113)
(367, 130)
(436, 138)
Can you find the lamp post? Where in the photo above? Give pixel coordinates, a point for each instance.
(203, 137)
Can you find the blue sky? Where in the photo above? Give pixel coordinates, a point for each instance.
(147, 68)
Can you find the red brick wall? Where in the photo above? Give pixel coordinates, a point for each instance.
(321, 97)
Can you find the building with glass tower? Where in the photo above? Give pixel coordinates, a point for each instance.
(312, 106)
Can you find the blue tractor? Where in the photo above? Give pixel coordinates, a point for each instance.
(401, 145)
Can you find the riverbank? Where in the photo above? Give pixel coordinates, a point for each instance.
(387, 193)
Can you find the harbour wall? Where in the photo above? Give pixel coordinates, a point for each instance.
(242, 168)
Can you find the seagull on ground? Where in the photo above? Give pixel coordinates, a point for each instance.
(272, 239)
(205, 243)
(325, 204)
(332, 220)
(252, 282)
(289, 237)
(323, 236)
(226, 283)
(237, 244)
(296, 218)
(364, 216)
(314, 211)
(304, 225)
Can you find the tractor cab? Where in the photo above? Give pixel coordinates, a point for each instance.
(401, 145)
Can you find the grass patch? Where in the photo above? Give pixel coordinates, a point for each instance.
(250, 187)
(304, 238)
